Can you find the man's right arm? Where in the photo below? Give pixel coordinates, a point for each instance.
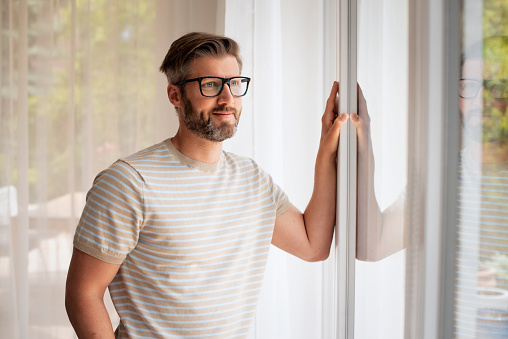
(87, 281)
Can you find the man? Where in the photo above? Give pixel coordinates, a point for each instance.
(180, 231)
(481, 298)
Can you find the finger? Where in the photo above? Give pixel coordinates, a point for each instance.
(362, 104)
(356, 120)
(330, 140)
(362, 130)
(331, 108)
(338, 123)
(359, 124)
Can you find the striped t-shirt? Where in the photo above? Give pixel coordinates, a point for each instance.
(481, 295)
(192, 238)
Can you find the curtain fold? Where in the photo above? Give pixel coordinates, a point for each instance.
(282, 48)
(261, 126)
(77, 91)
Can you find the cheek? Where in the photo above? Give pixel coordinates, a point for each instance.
(238, 103)
(462, 107)
(203, 104)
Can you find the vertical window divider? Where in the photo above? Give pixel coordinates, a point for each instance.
(451, 139)
(417, 158)
(433, 166)
(346, 172)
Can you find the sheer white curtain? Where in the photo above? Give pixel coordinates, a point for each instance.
(283, 50)
(80, 87)
(77, 92)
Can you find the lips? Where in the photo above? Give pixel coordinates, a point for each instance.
(224, 111)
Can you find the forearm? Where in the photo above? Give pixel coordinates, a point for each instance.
(88, 316)
(319, 216)
(379, 234)
(392, 239)
(369, 216)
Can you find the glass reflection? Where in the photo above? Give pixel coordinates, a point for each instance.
(481, 297)
(382, 160)
(380, 232)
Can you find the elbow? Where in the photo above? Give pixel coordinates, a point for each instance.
(317, 256)
(375, 255)
(70, 303)
(367, 258)
(367, 254)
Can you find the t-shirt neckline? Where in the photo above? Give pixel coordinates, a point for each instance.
(185, 160)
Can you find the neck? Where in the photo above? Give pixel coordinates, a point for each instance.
(489, 153)
(195, 147)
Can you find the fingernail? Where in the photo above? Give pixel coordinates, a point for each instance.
(343, 116)
(354, 116)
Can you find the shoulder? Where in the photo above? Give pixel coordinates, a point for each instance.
(152, 155)
(249, 168)
(239, 161)
(238, 164)
(129, 168)
(149, 162)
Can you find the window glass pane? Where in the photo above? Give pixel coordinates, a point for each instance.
(481, 293)
(382, 169)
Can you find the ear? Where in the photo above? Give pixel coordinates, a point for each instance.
(174, 95)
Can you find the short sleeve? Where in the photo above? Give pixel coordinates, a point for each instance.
(113, 215)
(279, 197)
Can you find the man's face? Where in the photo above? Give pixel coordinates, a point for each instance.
(484, 116)
(212, 118)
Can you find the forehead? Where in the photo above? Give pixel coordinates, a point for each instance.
(472, 69)
(487, 68)
(223, 67)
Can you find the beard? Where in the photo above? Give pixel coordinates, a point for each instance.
(487, 126)
(205, 128)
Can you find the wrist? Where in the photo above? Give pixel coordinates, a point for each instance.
(326, 159)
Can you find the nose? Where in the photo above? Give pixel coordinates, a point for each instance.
(225, 96)
(477, 101)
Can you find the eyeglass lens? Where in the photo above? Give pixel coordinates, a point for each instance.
(213, 86)
(469, 88)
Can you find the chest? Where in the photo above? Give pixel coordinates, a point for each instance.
(199, 219)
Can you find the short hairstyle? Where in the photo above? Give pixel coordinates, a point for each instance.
(493, 48)
(183, 51)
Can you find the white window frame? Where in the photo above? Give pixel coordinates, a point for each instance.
(433, 152)
(345, 231)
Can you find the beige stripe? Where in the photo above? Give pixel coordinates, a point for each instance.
(207, 257)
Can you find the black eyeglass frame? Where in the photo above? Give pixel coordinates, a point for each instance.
(224, 81)
(483, 83)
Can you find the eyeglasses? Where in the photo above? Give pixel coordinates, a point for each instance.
(212, 86)
(469, 88)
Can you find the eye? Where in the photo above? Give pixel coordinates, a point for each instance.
(468, 85)
(210, 83)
